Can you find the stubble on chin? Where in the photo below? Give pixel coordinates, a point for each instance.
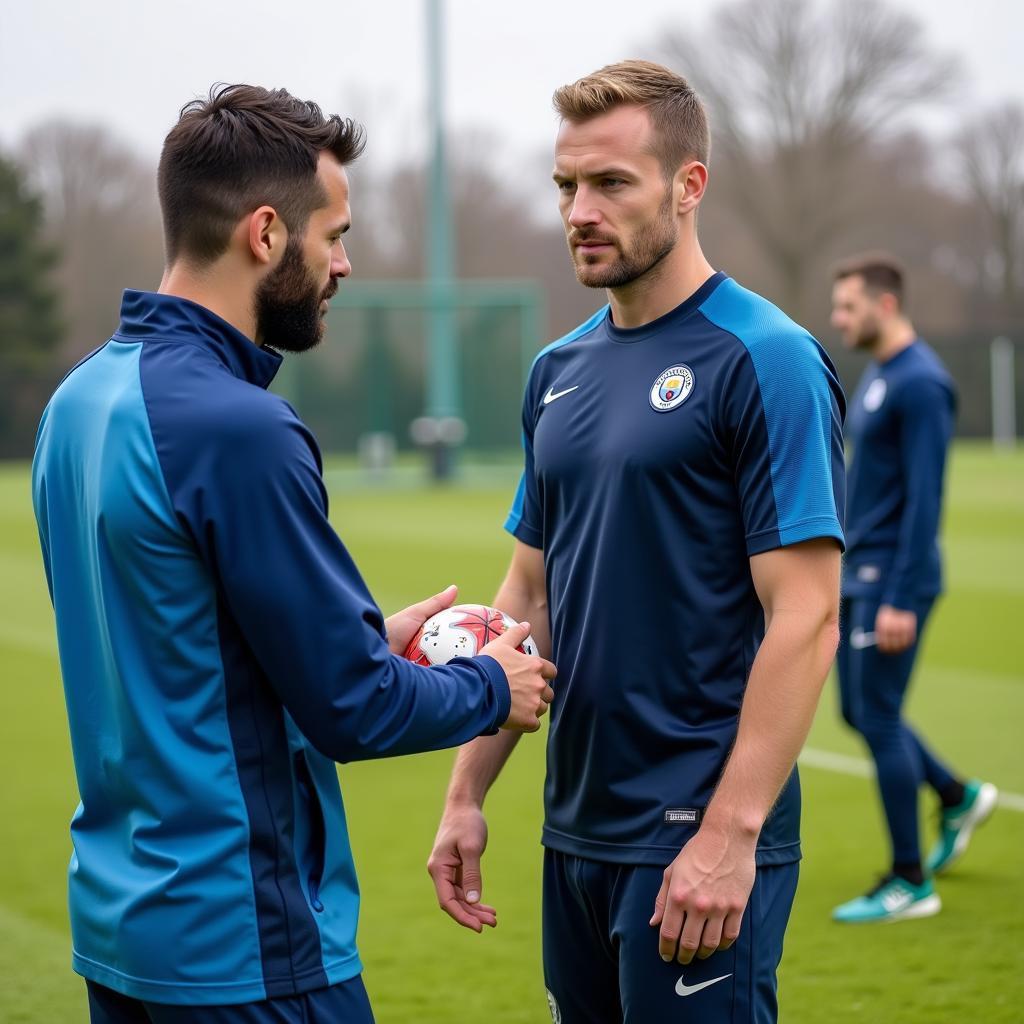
(591, 271)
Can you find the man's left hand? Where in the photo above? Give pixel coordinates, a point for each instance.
(403, 626)
(703, 895)
(895, 629)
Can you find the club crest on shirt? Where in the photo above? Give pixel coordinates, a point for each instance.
(672, 388)
(875, 395)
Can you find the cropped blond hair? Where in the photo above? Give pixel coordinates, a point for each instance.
(677, 115)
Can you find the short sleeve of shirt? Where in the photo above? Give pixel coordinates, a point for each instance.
(524, 519)
(784, 408)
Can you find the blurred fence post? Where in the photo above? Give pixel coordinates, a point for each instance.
(1004, 406)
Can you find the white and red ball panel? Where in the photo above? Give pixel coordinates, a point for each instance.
(460, 632)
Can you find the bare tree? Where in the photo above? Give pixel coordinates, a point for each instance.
(992, 151)
(797, 90)
(101, 207)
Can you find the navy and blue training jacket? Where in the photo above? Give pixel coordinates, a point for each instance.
(901, 422)
(658, 461)
(219, 653)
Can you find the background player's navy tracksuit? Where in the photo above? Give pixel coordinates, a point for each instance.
(900, 424)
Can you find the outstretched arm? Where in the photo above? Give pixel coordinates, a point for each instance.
(454, 863)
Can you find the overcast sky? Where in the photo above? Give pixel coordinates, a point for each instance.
(131, 64)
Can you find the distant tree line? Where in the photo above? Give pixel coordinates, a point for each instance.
(817, 151)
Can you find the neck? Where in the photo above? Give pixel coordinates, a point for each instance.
(218, 289)
(895, 336)
(662, 288)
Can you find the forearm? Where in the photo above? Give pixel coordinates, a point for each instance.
(479, 763)
(918, 529)
(778, 708)
(527, 603)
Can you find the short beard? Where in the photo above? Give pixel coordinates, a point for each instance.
(288, 304)
(869, 334)
(653, 242)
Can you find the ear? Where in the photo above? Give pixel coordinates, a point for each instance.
(690, 182)
(267, 235)
(889, 304)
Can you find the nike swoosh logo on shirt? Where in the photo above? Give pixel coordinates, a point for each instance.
(552, 394)
(688, 990)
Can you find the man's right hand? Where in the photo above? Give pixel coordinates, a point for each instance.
(527, 679)
(454, 866)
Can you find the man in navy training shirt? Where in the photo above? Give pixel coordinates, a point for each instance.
(900, 425)
(677, 527)
(218, 646)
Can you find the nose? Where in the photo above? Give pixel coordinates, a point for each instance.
(341, 266)
(583, 210)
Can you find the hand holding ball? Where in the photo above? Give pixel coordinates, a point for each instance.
(461, 631)
(464, 631)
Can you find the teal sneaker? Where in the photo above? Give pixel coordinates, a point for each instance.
(958, 823)
(893, 899)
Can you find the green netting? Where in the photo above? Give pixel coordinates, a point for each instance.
(370, 374)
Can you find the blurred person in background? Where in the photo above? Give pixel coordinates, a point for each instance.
(900, 425)
(680, 514)
(218, 646)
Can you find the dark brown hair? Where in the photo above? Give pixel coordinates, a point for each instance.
(677, 115)
(241, 148)
(880, 271)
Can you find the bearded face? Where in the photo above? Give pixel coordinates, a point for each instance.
(636, 254)
(291, 304)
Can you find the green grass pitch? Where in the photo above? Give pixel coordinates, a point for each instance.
(967, 964)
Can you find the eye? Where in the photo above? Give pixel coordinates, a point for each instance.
(612, 182)
(566, 187)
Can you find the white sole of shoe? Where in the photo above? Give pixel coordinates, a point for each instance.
(982, 810)
(927, 907)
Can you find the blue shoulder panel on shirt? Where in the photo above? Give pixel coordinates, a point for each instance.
(802, 406)
(574, 335)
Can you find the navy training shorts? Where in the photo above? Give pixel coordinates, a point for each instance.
(601, 959)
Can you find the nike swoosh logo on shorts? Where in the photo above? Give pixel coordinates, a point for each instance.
(688, 990)
(552, 394)
(859, 639)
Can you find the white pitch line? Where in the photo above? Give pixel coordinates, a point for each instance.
(846, 765)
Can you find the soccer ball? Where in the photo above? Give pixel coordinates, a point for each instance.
(460, 632)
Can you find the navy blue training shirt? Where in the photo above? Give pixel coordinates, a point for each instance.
(658, 461)
(219, 652)
(900, 425)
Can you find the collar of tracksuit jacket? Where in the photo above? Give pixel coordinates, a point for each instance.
(146, 315)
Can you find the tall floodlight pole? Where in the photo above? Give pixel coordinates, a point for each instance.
(442, 363)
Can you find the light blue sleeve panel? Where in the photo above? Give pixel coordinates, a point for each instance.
(803, 408)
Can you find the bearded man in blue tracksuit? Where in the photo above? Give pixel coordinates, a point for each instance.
(899, 425)
(218, 647)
